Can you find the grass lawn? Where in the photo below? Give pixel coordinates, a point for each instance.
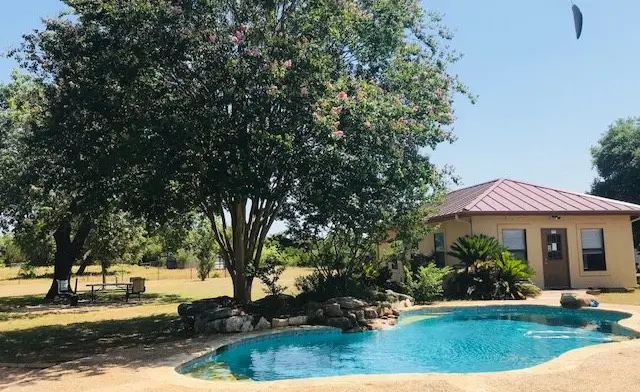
(33, 332)
(632, 298)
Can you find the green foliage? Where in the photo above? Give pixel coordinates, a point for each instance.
(502, 278)
(345, 265)
(288, 251)
(616, 159)
(202, 244)
(204, 268)
(25, 207)
(256, 109)
(185, 258)
(269, 274)
(27, 271)
(10, 252)
(478, 247)
(116, 238)
(420, 260)
(35, 239)
(513, 278)
(426, 285)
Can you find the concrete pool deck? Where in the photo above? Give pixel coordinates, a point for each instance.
(609, 367)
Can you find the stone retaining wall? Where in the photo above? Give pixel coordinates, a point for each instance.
(223, 315)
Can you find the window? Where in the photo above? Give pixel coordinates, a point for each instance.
(515, 240)
(439, 249)
(593, 250)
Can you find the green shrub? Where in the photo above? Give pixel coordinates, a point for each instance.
(319, 286)
(478, 247)
(27, 271)
(184, 258)
(205, 265)
(420, 260)
(10, 252)
(269, 274)
(513, 278)
(502, 278)
(345, 265)
(426, 284)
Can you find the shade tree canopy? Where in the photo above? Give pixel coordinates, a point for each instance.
(321, 113)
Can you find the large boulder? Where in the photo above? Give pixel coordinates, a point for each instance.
(208, 326)
(316, 316)
(279, 323)
(206, 309)
(332, 310)
(247, 326)
(233, 324)
(348, 303)
(353, 319)
(370, 312)
(271, 306)
(339, 322)
(298, 320)
(222, 313)
(575, 301)
(262, 324)
(381, 323)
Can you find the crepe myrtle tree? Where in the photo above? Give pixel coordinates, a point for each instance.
(321, 112)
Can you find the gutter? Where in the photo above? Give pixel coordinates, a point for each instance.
(470, 221)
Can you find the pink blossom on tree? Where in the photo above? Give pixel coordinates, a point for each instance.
(238, 37)
(338, 134)
(288, 64)
(304, 91)
(342, 96)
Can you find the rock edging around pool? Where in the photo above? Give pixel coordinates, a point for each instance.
(224, 315)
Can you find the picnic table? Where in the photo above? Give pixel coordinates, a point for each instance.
(95, 287)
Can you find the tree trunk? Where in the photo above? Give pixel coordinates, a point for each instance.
(87, 258)
(66, 251)
(240, 279)
(242, 249)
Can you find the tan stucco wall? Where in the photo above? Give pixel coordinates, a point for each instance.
(452, 229)
(618, 244)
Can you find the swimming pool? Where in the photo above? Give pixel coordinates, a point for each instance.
(443, 340)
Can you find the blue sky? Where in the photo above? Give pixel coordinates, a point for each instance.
(543, 98)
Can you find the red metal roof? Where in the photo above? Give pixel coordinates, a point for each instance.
(505, 196)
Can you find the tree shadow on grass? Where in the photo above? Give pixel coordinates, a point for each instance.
(31, 306)
(60, 343)
(99, 344)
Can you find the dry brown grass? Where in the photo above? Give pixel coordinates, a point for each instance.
(159, 292)
(30, 331)
(119, 270)
(632, 298)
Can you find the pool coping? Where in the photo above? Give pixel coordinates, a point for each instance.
(564, 362)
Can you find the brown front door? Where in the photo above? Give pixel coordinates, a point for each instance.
(555, 262)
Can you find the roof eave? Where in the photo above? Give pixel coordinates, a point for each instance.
(441, 218)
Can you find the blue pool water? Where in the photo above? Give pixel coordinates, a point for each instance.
(454, 340)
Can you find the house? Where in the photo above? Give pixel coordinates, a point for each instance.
(571, 240)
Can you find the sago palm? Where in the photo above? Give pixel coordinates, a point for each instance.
(513, 278)
(478, 247)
